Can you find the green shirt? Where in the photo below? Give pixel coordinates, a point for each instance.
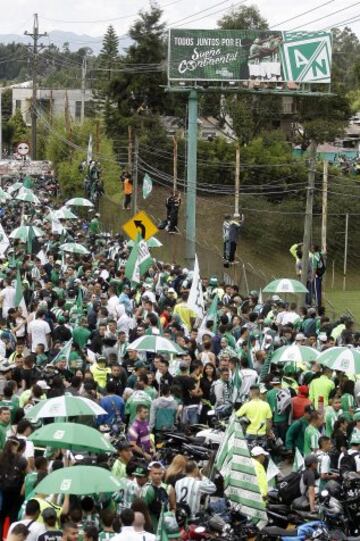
(81, 335)
(295, 434)
(126, 494)
(12, 404)
(30, 482)
(330, 417)
(152, 392)
(271, 398)
(347, 402)
(106, 536)
(3, 431)
(311, 440)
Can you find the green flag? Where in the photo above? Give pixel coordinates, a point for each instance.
(64, 353)
(80, 300)
(147, 186)
(211, 315)
(161, 534)
(31, 237)
(298, 464)
(236, 384)
(19, 295)
(139, 261)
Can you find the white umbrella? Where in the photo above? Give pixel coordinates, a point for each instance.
(64, 406)
(79, 202)
(74, 248)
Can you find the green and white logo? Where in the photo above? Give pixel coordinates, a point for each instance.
(307, 60)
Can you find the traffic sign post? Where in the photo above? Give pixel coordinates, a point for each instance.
(140, 223)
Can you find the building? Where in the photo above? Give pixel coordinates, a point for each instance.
(52, 103)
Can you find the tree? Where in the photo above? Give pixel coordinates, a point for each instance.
(244, 18)
(17, 123)
(109, 54)
(345, 59)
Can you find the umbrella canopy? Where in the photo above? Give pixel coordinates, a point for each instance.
(72, 436)
(79, 202)
(74, 248)
(234, 463)
(341, 358)
(15, 187)
(26, 232)
(61, 214)
(78, 480)
(295, 354)
(285, 285)
(27, 196)
(4, 196)
(155, 344)
(151, 243)
(64, 406)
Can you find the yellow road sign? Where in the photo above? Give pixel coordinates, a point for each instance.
(140, 223)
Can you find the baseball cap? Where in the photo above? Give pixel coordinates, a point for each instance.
(43, 385)
(275, 381)
(303, 389)
(300, 336)
(258, 451)
(323, 337)
(355, 439)
(139, 364)
(140, 472)
(171, 290)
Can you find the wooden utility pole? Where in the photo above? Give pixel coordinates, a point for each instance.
(130, 149)
(136, 175)
(35, 35)
(324, 207)
(175, 157)
(97, 137)
(83, 89)
(308, 212)
(237, 180)
(346, 248)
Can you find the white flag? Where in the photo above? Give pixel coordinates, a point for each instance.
(196, 299)
(299, 463)
(56, 227)
(4, 241)
(271, 472)
(89, 150)
(42, 256)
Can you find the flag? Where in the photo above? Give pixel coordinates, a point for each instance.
(211, 315)
(196, 298)
(299, 463)
(147, 186)
(30, 238)
(161, 533)
(236, 384)
(260, 300)
(64, 353)
(42, 256)
(4, 241)
(271, 473)
(89, 150)
(139, 261)
(19, 295)
(80, 300)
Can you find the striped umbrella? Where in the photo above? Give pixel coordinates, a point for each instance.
(285, 285)
(63, 214)
(26, 232)
(234, 463)
(295, 354)
(74, 248)
(64, 406)
(79, 202)
(155, 344)
(341, 358)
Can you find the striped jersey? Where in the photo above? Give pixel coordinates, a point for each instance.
(190, 489)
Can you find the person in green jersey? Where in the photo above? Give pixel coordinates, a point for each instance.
(332, 413)
(296, 431)
(124, 455)
(31, 479)
(81, 333)
(347, 399)
(94, 225)
(5, 424)
(107, 518)
(312, 434)
(10, 400)
(280, 418)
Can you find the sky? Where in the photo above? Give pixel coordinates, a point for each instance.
(93, 16)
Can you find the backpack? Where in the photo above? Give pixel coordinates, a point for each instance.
(321, 266)
(283, 401)
(160, 498)
(348, 463)
(289, 488)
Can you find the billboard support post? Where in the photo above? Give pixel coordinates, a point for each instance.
(191, 176)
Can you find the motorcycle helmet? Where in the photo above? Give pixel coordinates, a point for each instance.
(334, 488)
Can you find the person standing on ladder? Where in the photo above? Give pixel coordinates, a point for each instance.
(231, 230)
(128, 190)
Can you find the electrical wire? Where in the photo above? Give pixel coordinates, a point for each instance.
(203, 11)
(325, 16)
(302, 14)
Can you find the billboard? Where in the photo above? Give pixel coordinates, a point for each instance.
(243, 55)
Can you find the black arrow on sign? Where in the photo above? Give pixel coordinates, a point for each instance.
(140, 225)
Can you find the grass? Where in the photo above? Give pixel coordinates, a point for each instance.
(342, 301)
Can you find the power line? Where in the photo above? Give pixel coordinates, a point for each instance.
(203, 11)
(325, 16)
(303, 13)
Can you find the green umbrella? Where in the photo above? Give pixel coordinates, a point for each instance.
(64, 406)
(151, 243)
(155, 344)
(15, 187)
(78, 480)
(4, 196)
(341, 358)
(26, 232)
(285, 285)
(295, 354)
(72, 436)
(74, 248)
(27, 196)
(79, 202)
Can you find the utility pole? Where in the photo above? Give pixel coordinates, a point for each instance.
(130, 149)
(237, 180)
(83, 89)
(324, 207)
(136, 174)
(346, 248)
(192, 134)
(175, 156)
(35, 35)
(308, 212)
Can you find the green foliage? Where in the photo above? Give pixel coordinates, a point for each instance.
(244, 18)
(18, 127)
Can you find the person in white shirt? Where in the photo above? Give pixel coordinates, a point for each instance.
(114, 307)
(128, 532)
(249, 377)
(7, 298)
(139, 527)
(32, 513)
(290, 316)
(190, 488)
(126, 323)
(39, 331)
(24, 430)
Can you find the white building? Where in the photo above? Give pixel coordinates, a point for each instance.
(52, 103)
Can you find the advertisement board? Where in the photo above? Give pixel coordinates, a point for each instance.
(248, 55)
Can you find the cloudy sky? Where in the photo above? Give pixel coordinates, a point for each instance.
(93, 16)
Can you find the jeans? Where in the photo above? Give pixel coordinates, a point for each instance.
(191, 415)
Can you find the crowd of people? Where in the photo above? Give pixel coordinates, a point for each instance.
(223, 366)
